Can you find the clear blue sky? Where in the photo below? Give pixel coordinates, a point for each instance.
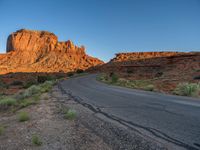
(107, 27)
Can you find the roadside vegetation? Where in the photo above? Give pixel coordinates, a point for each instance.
(2, 129)
(36, 140)
(69, 113)
(23, 116)
(182, 89)
(113, 79)
(188, 89)
(30, 90)
(26, 97)
(29, 93)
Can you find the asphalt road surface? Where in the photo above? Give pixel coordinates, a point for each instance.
(174, 119)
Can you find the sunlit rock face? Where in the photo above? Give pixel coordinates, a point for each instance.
(40, 51)
(143, 55)
(31, 41)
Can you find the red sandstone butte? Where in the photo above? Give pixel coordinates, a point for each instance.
(40, 51)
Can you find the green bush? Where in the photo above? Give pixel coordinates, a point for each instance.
(26, 102)
(114, 78)
(188, 89)
(2, 129)
(21, 95)
(70, 114)
(149, 87)
(28, 92)
(103, 77)
(7, 101)
(45, 87)
(23, 116)
(29, 84)
(36, 140)
(34, 89)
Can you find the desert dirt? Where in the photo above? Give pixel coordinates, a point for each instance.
(47, 121)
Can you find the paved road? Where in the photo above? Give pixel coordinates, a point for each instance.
(171, 118)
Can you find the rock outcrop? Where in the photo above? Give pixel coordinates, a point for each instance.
(143, 55)
(40, 51)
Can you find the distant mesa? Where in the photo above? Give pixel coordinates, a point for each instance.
(40, 51)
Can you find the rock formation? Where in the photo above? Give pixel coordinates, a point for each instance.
(40, 51)
(143, 55)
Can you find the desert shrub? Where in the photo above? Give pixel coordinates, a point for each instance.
(36, 140)
(79, 71)
(23, 116)
(188, 89)
(149, 87)
(21, 95)
(46, 86)
(70, 74)
(70, 114)
(27, 93)
(33, 90)
(7, 101)
(42, 79)
(29, 84)
(114, 78)
(16, 83)
(2, 129)
(26, 102)
(103, 77)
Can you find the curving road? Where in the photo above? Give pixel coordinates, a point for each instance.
(173, 119)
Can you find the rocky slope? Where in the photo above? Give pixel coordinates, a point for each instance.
(40, 51)
(166, 69)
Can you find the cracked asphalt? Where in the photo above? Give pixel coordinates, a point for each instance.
(166, 118)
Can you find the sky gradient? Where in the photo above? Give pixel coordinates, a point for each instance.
(106, 27)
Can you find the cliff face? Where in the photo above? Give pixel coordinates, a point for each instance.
(27, 40)
(40, 51)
